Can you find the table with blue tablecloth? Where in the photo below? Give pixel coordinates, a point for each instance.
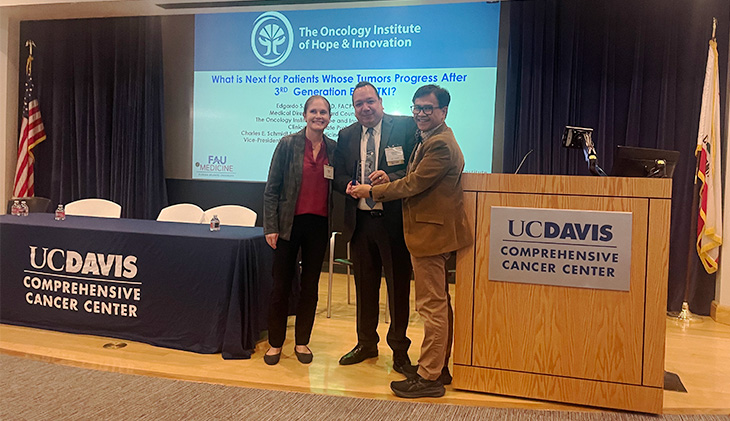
(168, 284)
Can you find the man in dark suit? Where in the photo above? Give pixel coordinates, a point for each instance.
(375, 150)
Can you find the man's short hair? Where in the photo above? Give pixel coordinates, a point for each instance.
(442, 95)
(362, 84)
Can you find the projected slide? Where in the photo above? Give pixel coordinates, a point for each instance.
(254, 71)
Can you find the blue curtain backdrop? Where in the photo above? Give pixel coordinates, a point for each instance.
(99, 85)
(631, 70)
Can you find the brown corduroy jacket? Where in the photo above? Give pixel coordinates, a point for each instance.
(434, 220)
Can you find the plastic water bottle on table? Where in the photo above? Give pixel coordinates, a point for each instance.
(215, 223)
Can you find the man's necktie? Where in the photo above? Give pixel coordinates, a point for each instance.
(369, 164)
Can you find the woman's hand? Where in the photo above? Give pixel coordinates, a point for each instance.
(271, 239)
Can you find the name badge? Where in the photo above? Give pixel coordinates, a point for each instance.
(329, 172)
(394, 155)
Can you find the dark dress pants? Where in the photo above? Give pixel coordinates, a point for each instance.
(379, 247)
(309, 233)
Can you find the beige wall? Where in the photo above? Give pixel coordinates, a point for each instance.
(9, 33)
(722, 284)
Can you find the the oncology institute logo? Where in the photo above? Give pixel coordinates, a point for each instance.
(272, 38)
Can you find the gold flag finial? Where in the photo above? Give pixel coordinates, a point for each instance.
(714, 27)
(30, 44)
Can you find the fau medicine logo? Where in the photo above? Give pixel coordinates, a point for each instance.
(272, 38)
(216, 163)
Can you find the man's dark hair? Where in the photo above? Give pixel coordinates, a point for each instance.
(362, 84)
(442, 95)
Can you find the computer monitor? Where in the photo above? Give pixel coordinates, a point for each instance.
(632, 161)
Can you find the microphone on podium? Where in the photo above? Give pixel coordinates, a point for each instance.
(523, 160)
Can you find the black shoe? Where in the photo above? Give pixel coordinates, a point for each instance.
(412, 371)
(358, 355)
(418, 387)
(409, 371)
(272, 359)
(304, 357)
(401, 362)
(445, 377)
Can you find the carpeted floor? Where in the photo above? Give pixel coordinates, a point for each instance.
(34, 390)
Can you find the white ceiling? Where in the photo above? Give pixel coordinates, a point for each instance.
(35, 2)
(56, 9)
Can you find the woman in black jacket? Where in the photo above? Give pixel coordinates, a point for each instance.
(297, 207)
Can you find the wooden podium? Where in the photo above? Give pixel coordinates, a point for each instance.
(584, 346)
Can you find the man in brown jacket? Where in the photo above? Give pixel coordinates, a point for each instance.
(434, 223)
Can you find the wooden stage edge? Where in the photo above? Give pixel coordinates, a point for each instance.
(697, 353)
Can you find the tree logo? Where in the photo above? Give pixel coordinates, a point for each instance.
(272, 38)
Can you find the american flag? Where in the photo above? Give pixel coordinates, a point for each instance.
(31, 134)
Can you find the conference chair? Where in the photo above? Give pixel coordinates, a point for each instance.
(35, 204)
(231, 215)
(101, 208)
(182, 212)
(348, 265)
(332, 262)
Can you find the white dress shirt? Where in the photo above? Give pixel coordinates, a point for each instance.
(377, 130)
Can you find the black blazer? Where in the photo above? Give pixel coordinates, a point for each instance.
(284, 182)
(396, 131)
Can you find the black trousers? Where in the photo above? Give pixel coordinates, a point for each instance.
(309, 233)
(379, 248)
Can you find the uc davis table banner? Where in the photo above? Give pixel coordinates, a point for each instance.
(570, 248)
(168, 284)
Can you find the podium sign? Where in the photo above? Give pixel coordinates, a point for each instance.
(568, 248)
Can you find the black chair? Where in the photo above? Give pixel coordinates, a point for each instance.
(35, 204)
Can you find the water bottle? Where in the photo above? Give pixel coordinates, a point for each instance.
(60, 213)
(215, 223)
(15, 209)
(23, 208)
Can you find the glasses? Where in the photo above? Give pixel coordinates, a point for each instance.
(427, 109)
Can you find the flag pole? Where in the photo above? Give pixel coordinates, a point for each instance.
(685, 315)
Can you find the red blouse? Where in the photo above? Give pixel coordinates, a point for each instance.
(314, 192)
